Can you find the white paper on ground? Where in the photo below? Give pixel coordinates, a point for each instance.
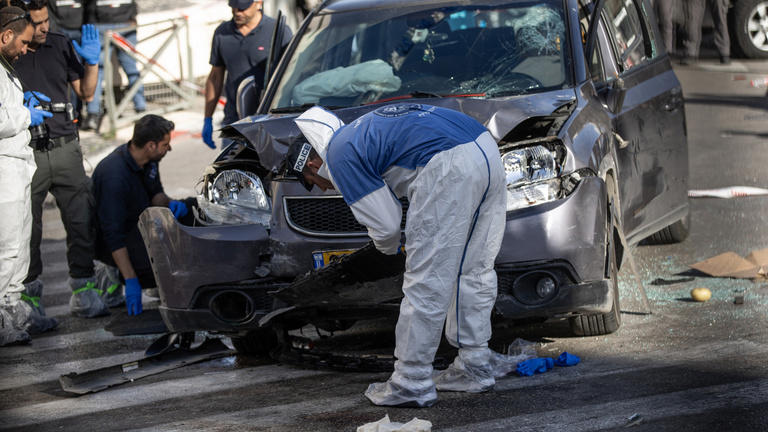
(384, 425)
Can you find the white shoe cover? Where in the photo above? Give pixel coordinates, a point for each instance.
(108, 281)
(391, 394)
(9, 334)
(86, 300)
(463, 376)
(29, 319)
(409, 386)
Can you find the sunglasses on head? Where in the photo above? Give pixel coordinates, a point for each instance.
(24, 16)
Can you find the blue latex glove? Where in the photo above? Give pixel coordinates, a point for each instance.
(567, 359)
(89, 47)
(208, 132)
(534, 365)
(178, 208)
(133, 296)
(36, 116)
(35, 97)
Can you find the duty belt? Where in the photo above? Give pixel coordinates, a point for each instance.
(48, 144)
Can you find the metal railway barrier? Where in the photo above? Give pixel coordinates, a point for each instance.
(180, 86)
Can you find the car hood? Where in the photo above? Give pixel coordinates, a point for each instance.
(271, 135)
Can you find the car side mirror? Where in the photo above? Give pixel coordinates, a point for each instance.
(618, 91)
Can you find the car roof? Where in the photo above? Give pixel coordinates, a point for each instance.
(350, 5)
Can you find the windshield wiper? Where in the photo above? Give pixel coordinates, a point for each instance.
(424, 95)
(300, 108)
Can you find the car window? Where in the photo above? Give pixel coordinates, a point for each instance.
(626, 28)
(595, 62)
(351, 58)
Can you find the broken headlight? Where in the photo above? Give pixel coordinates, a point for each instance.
(236, 197)
(532, 176)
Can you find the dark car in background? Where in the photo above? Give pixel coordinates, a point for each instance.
(589, 120)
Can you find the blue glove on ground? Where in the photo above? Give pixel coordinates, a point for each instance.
(208, 132)
(36, 116)
(534, 365)
(178, 208)
(35, 97)
(133, 296)
(89, 47)
(567, 359)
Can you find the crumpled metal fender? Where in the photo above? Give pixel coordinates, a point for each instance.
(271, 135)
(182, 256)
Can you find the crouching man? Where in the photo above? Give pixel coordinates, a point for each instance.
(125, 183)
(448, 166)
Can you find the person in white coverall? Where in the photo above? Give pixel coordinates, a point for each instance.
(20, 314)
(448, 166)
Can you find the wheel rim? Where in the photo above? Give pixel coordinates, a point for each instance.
(757, 26)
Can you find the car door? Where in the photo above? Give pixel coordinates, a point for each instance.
(650, 155)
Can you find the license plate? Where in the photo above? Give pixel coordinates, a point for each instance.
(323, 258)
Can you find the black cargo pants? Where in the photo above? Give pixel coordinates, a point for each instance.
(60, 171)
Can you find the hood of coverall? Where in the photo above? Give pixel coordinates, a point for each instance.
(318, 126)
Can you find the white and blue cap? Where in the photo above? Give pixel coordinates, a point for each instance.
(318, 126)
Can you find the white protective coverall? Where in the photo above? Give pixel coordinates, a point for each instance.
(17, 165)
(448, 166)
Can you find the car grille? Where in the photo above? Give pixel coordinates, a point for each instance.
(325, 216)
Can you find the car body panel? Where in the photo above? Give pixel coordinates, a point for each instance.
(614, 151)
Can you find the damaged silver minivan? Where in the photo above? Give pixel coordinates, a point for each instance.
(579, 95)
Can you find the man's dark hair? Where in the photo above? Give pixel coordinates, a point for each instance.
(37, 4)
(151, 127)
(13, 18)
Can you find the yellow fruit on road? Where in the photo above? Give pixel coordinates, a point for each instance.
(701, 294)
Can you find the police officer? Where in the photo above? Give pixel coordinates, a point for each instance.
(240, 49)
(125, 183)
(448, 166)
(51, 66)
(111, 15)
(694, 15)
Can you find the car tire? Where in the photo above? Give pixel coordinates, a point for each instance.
(744, 12)
(601, 324)
(675, 233)
(258, 342)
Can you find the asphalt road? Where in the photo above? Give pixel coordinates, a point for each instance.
(687, 367)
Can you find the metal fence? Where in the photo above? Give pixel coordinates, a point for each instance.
(178, 90)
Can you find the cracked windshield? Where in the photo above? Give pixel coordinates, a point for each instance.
(464, 51)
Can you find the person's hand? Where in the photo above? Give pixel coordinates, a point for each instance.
(208, 132)
(133, 296)
(89, 47)
(35, 98)
(36, 116)
(178, 208)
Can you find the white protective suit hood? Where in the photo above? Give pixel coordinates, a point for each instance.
(318, 126)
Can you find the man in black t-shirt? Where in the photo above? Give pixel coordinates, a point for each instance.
(125, 183)
(240, 49)
(50, 67)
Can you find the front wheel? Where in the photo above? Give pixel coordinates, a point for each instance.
(749, 27)
(601, 324)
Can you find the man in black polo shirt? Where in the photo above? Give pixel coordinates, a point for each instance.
(125, 183)
(50, 67)
(240, 49)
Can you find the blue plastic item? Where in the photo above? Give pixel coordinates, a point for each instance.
(534, 366)
(567, 359)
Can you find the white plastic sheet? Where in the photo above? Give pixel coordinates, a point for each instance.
(373, 75)
(385, 425)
